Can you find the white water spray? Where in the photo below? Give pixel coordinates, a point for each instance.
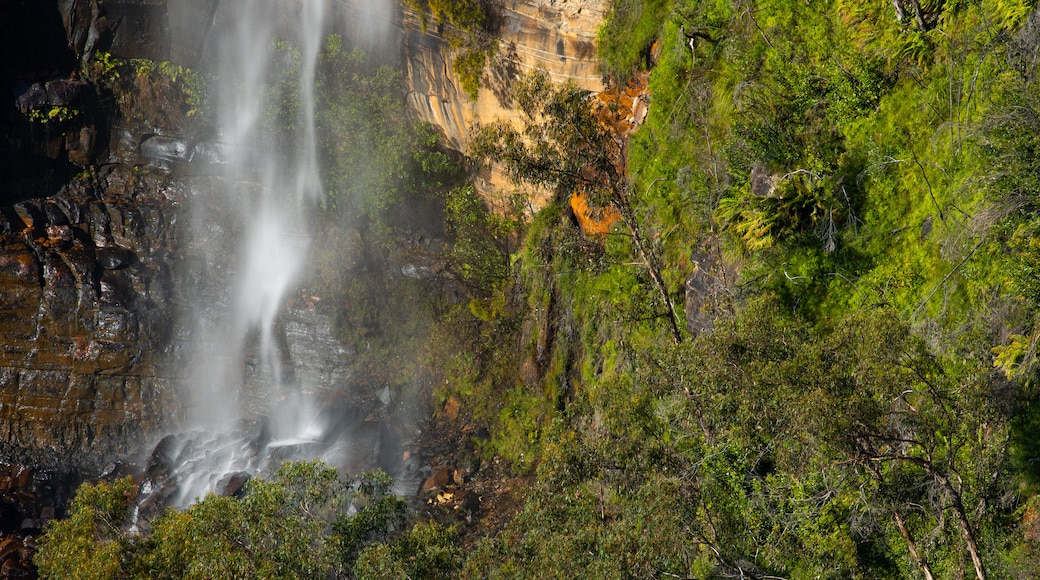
(271, 190)
(276, 192)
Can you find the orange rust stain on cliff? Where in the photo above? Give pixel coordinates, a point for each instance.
(620, 110)
(593, 221)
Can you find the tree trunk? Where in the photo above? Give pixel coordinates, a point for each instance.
(650, 262)
(969, 535)
(919, 15)
(914, 555)
(962, 521)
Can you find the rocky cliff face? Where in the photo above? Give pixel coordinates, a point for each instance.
(86, 284)
(558, 36)
(87, 242)
(95, 269)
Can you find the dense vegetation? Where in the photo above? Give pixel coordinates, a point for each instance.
(294, 525)
(806, 350)
(845, 192)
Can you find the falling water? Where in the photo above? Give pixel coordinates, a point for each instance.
(270, 187)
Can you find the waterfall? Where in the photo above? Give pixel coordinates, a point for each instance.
(270, 186)
(275, 186)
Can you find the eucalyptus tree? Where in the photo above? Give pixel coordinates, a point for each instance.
(564, 145)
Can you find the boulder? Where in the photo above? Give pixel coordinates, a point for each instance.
(440, 478)
(233, 484)
(163, 456)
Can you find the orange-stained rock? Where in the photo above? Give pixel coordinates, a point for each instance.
(593, 221)
(439, 479)
(451, 407)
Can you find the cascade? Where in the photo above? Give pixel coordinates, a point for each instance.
(270, 186)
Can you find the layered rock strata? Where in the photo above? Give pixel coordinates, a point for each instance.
(86, 287)
(556, 36)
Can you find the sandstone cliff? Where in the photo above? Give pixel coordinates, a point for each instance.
(558, 36)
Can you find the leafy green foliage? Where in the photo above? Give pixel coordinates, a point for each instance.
(372, 156)
(565, 146)
(865, 176)
(90, 542)
(768, 447)
(57, 114)
(627, 34)
(427, 550)
(294, 525)
(150, 94)
(813, 435)
(560, 143)
(477, 251)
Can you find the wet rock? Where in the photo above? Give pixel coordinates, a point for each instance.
(81, 145)
(262, 437)
(34, 98)
(233, 484)
(416, 272)
(117, 289)
(153, 501)
(125, 225)
(109, 470)
(115, 258)
(295, 451)
(17, 478)
(30, 214)
(31, 524)
(61, 93)
(60, 237)
(165, 152)
(122, 145)
(163, 456)
(141, 28)
(81, 21)
(28, 548)
(54, 214)
(43, 96)
(207, 153)
(319, 358)
(18, 265)
(15, 569)
(125, 28)
(10, 546)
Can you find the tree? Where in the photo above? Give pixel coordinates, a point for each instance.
(563, 145)
(913, 421)
(428, 550)
(91, 541)
(295, 525)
